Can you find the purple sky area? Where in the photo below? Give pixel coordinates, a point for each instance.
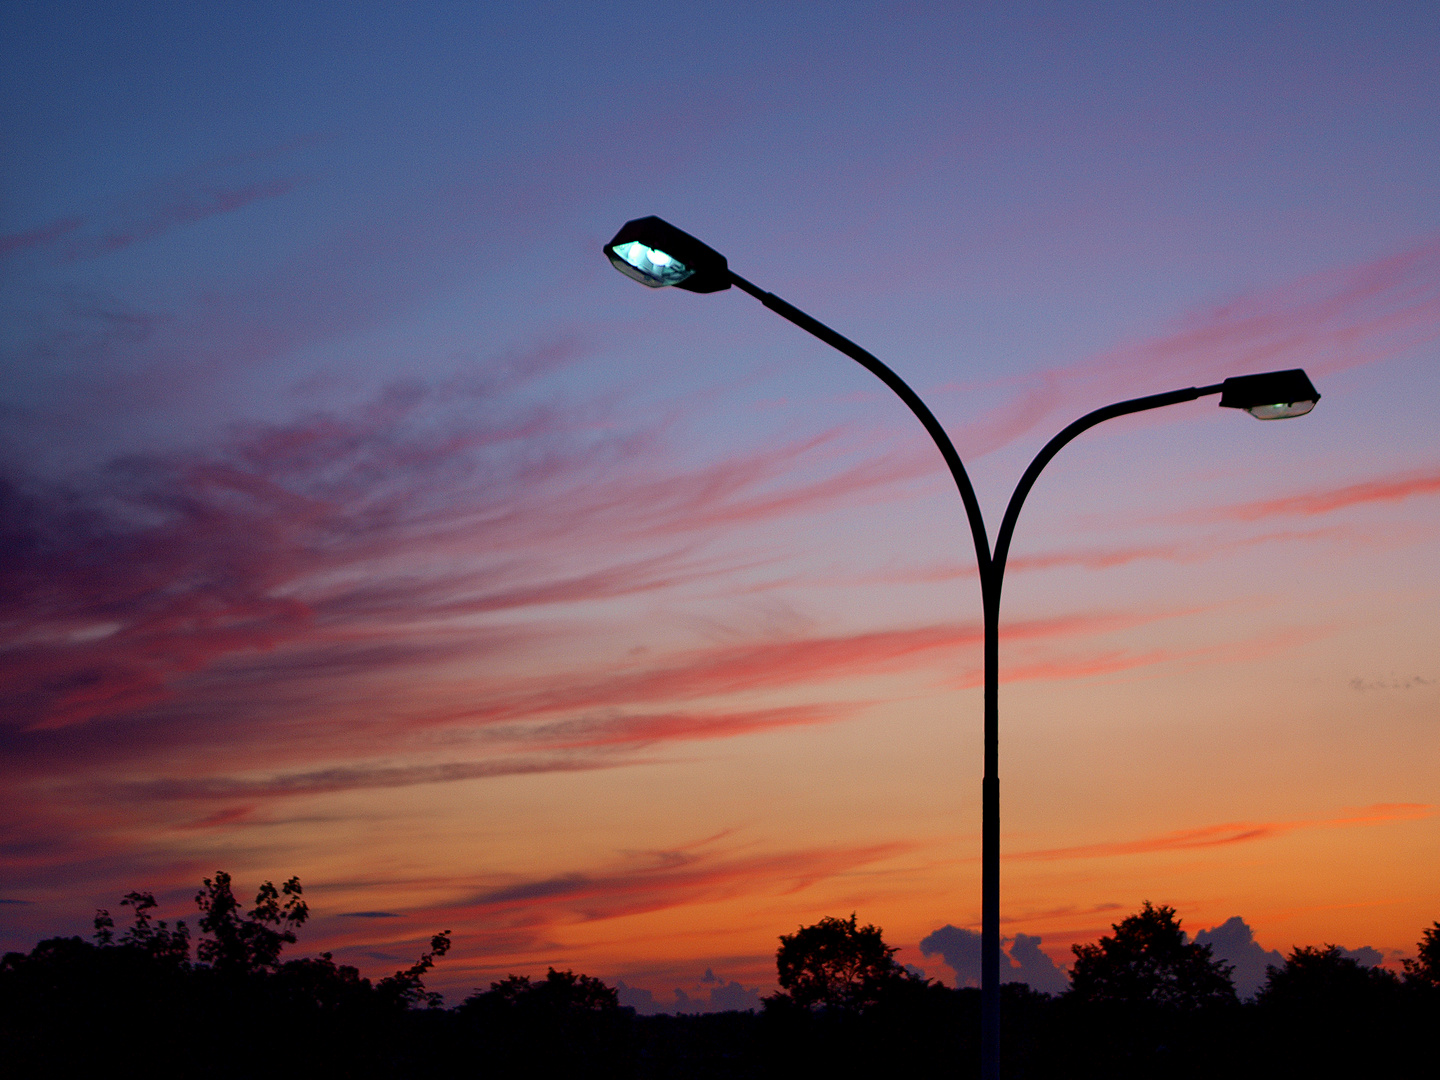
(358, 521)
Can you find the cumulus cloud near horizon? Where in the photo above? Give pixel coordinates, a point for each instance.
(713, 993)
(1233, 942)
(1023, 961)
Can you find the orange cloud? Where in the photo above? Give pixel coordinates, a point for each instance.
(1235, 832)
(514, 924)
(1105, 663)
(662, 879)
(587, 721)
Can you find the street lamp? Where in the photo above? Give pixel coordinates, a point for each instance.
(656, 253)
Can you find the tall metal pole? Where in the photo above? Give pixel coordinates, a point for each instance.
(992, 580)
(992, 577)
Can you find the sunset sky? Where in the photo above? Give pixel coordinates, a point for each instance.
(359, 522)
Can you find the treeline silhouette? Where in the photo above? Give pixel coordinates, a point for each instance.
(1144, 1001)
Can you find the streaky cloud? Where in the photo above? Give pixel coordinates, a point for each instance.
(1330, 321)
(666, 879)
(1228, 834)
(156, 569)
(327, 781)
(514, 922)
(1395, 488)
(163, 211)
(40, 236)
(1179, 551)
(599, 738)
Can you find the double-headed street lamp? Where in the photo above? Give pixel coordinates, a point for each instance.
(656, 253)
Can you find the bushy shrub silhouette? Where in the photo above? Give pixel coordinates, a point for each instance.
(563, 1025)
(137, 1004)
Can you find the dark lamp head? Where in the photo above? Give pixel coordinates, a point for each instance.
(1271, 395)
(656, 253)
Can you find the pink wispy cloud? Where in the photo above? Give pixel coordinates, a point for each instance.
(1090, 559)
(1386, 489)
(647, 729)
(220, 186)
(526, 709)
(365, 262)
(296, 582)
(1330, 321)
(1229, 833)
(1106, 558)
(582, 720)
(1112, 661)
(340, 778)
(170, 207)
(574, 745)
(314, 532)
(41, 236)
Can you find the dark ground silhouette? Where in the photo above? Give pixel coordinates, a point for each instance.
(1142, 1002)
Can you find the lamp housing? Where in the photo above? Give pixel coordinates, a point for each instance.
(655, 253)
(1270, 395)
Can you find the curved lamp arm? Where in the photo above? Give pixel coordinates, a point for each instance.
(903, 391)
(1053, 447)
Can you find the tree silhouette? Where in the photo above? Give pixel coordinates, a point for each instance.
(836, 964)
(252, 944)
(1148, 961)
(1143, 1003)
(563, 1025)
(133, 1003)
(1424, 970)
(1321, 978)
(407, 987)
(159, 942)
(1329, 1012)
(561, 992)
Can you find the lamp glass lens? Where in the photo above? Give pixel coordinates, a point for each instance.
(1280, 411)
(649, 265)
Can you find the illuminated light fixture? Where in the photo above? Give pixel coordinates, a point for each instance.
(648, 266)
(656, 253)
(1271, 395)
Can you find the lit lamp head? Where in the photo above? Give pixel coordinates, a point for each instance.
(656, 253)
(1272, 395)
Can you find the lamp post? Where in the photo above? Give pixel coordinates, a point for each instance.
(656, 253)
